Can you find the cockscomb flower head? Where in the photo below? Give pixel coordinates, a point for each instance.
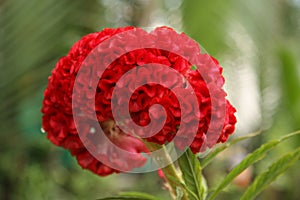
(81, 94)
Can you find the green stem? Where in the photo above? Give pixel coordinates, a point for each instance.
(169, 171)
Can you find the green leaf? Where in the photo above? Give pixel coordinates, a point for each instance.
(140, 195)
(207, 160)
(191, 172)
(205, 188)
(249, 160)
(124, 197)
(179, 193)
(268, 176)
(133, 196)
(190, 192)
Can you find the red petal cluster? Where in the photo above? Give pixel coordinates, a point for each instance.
(58, 119)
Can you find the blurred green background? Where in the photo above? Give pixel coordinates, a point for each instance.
(257, 42)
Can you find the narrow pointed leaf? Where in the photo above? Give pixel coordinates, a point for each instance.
(249, 160)
(207, 160)
(268, 176)
(132, 196)
(139, 194)
(125, 197)
(191, 193)
(191, 172)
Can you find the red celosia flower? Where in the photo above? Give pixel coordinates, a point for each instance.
(58, 119)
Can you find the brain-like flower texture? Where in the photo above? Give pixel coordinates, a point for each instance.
(120, 89)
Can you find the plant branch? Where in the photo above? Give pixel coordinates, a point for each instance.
(171, 174)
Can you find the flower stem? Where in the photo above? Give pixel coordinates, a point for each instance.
(171, 175)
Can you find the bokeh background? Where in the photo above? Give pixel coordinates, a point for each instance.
(257, 42)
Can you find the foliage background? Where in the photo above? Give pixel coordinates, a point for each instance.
(257, 43)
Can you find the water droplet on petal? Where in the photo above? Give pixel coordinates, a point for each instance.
(42, 130)
(92, 130)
